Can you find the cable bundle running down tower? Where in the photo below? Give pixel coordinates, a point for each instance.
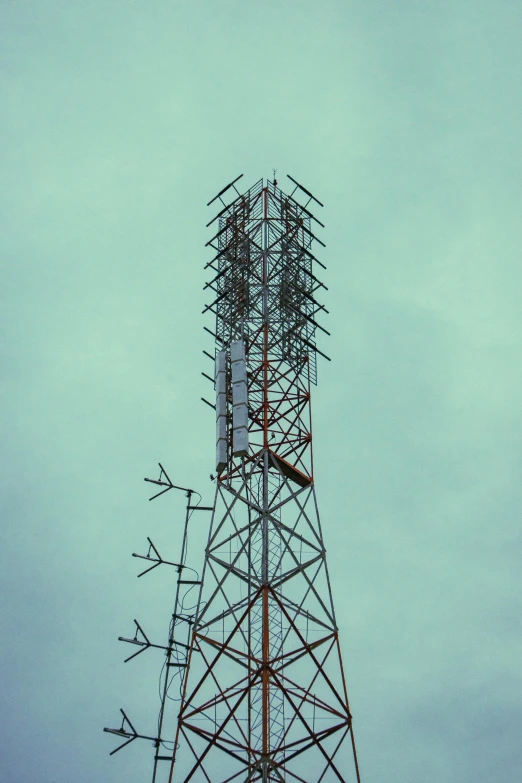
(263, 695)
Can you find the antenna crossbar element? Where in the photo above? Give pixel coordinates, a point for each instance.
(129, 733)
(224, 190)
(144, 642)
(158, 560)
(296, 183)
(164, 481)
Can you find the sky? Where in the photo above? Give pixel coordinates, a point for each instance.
(120, 121)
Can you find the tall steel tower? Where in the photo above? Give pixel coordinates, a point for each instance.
(262, 693)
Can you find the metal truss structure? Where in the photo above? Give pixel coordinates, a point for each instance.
(262, 686)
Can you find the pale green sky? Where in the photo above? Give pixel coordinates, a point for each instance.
(121, 120)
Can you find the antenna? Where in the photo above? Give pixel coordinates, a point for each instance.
(253, 686)
(182, 620)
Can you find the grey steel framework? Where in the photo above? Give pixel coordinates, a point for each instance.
(263, 692)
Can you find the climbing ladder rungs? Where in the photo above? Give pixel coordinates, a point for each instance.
(188, 620)
(201, 508)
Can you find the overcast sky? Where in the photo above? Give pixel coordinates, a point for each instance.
(120, 121)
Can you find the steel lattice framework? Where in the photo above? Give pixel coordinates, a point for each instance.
(262, 686)
(265, 697)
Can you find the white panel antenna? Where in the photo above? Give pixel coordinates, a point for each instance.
(239, 399)
(221, 411)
